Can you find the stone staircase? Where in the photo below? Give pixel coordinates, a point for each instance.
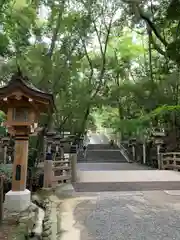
(102, 153)
(101, 147)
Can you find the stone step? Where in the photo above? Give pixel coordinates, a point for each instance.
(61, 161)
(105, 156)
(61, 168)
(125, 186)
(101, 146)
(61, 178)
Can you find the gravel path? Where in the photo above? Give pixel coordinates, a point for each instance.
(150, 215)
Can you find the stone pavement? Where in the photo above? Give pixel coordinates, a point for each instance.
(111, 166)
(132, 212)
(149, 215)
(99, 177)
(127, 172)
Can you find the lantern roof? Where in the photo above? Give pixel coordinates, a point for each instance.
(21, 83)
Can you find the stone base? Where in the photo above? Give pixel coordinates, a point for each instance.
(17, 201)
(65, 190)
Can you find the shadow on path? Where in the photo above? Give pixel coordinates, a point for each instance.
(128, 216)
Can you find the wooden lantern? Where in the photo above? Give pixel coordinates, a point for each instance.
(22, 103)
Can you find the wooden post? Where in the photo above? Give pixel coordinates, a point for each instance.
(20, 163)
(1, 198)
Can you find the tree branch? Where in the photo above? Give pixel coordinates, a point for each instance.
(103, 59)
(54, 39)
(56, 29)
(98, 36)
(151, 25)
(89, 61)
(65, 120)
(156, 46)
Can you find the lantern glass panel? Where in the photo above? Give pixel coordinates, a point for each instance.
(20, 114)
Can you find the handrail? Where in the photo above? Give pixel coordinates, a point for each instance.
(124, 152)
(170, 160)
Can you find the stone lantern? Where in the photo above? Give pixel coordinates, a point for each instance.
(65, 145)
(158, 140)
(22, 103)
(49, 141)
(5, 143)
(132, 143)
(57, 140)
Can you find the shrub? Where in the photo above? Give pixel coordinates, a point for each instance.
(6, 172)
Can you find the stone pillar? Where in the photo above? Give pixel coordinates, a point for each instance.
(19, 198)
(144, 153)
(49, 148)
(133, 152)
(45, 148)
(57, 148)
(48, 171)
(62, 151)
(73, 159)
(5, 154)
(73, 167)
(159, 156)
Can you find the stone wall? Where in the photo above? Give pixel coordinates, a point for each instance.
(24, 221)
(34, 223)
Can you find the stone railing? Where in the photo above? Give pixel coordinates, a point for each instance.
(170, 161)
(62, 169)
(125, 153)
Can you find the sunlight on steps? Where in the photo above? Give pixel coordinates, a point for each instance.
(128, 176)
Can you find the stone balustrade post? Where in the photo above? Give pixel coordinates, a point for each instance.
(48, 172)
(5, 154)
(62, 151)
(144, 153)
(159, 156)
(73, 158)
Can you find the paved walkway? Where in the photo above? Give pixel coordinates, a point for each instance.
(127, 172)
(98, 138)
(113, 201)
(118, 204)
(111, 166)
(150, 215)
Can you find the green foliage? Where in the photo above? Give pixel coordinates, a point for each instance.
(32, 150)
(6, 172)
(98, 61)
(2, 129)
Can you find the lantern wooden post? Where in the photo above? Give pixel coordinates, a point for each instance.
(22, 103)
(20, 163)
